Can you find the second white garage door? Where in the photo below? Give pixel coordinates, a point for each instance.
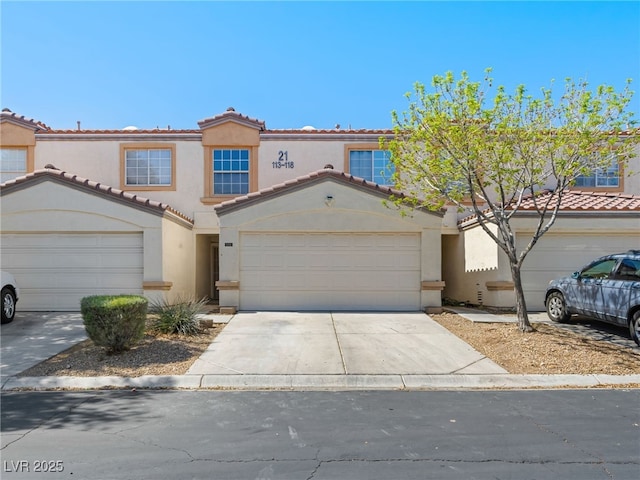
(329, 271)
(56, 270)
(557, 255)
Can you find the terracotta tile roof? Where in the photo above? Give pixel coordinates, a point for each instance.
(310, 178)
(329, 131)
(83, 183)
(164, 131)
(232, 115)
(577, 201)
(8, 116)
(154, 131)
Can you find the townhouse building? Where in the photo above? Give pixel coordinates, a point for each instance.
(259, 219)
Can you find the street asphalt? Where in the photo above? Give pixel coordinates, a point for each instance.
(585, 434)
(295, 351)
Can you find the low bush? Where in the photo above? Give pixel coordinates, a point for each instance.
(177, 316)
(115, 322)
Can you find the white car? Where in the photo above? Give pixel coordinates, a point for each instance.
(10, 294)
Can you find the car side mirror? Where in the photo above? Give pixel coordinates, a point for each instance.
(575, 275)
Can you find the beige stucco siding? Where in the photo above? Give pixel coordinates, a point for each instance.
(178, 258)
(305, 156)
(99, 160)
(475, 285)
(49, 207)
(328, 207)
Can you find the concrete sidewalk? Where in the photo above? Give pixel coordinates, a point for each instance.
(294, 351)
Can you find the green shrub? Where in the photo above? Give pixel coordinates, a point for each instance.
(176, 316)
(115, 322)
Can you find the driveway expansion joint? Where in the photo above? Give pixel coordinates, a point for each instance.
(335, 332)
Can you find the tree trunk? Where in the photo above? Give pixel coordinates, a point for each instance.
(521, 304)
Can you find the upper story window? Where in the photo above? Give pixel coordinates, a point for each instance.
(609, 178)
(13, 163)
(231, 171)
(601, 177)
(372, 165)
(148, 166)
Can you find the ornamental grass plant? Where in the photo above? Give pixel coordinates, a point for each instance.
(177, 315)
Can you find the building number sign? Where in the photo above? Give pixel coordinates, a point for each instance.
(283, 160)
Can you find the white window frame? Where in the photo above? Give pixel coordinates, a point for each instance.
(8, 165)
(609, 177)
(165, 167)
(375, 173)
(236, 166)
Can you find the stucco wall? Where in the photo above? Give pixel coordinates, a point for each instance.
(99, 161)
(168, 253)
(178, 258)
(309, 209)
(51, 206)
(306, 156)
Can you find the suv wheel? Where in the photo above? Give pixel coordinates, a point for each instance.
(8, 305)
(557, 308)
(634, 327)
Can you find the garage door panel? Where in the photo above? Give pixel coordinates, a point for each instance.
(55, 271)
(297, 260)
(319, 300)
(318, 271)
(558, 255)
(318, 241)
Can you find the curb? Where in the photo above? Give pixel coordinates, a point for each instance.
(323, 382)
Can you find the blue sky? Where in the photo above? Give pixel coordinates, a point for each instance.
(148, 64)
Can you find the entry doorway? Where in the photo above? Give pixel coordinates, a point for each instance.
(215, 272)
(207, 267)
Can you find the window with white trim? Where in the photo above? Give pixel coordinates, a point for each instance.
(601, 177)
(372, 165)
(230, 171)
(13, 163)
(148, 167)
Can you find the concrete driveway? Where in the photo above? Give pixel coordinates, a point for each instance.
(35, 336)
(317, 343)
(274, 350)
(279, 343)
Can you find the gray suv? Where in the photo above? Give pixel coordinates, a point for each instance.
(608, 289)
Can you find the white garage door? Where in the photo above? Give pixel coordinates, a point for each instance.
(329, 271)
(55, 271)
(557, 256)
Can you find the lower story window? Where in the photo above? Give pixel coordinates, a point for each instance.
(230, 171)
(13, 163)
(372, 165)
(148, 167)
